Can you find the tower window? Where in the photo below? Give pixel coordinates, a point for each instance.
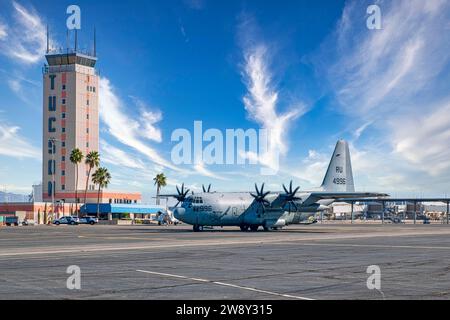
(63, 187)
(52, 81)
(87, 102)
(50, 124)
(63, 158)
(63, 101)
(63, 130)
(63, 144)
(87, 130)
(63, 172)
(87, 144)
(87, 116)
(51, 147)
(63, 87)
(63, 115)
(51, 166)
(50, 188)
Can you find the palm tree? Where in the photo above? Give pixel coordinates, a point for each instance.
(102, 178)
(92, 160)
(160, 181)
(76, 156)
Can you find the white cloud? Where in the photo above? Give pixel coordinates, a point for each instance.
(261, 104)
(3, 31)
(26, 37)
(312, 169)
(201, 169)
(392, 80)
(126, 129)
(14, 145)
(424, 140)
(118, 157)
(148, 120)
(15, 85)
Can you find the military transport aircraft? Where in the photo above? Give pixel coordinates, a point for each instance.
(271, 210)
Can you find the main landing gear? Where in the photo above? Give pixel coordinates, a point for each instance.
(246, 227)
(197, 228)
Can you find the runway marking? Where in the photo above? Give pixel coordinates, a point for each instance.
(375, 246)
(225, 285)
(220, 242)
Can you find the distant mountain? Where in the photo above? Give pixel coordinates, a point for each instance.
(13, 197)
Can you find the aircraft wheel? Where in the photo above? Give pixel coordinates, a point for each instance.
(197, 228)
(244, 227)
(266, 228)
(254, 228)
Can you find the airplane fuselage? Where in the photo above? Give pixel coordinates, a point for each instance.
(239, 209)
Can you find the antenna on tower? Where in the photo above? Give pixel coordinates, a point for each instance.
(48, 45)
(76, 40)
(67, 40)
(95, 42)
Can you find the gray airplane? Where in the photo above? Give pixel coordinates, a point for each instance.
(270, 210)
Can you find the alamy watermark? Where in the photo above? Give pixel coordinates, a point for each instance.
(374, 22)
(74, 280)
(74, 20)
(231, 147)
(374, 280)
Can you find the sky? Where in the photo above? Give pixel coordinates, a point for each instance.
(311, 72)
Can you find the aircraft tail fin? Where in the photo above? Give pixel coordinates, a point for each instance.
(339, 176)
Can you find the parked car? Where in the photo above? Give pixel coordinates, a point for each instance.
(66, 220)
(12, 221)
(27, 222)
(88, 220)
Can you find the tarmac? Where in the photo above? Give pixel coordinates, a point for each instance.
(141, 262)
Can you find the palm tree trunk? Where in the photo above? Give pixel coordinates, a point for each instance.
(76, 191)
(87, 184)
(157, 195)
(98, 202)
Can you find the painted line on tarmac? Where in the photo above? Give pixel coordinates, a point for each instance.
(375, 246)
(197, 243)
(225, 284)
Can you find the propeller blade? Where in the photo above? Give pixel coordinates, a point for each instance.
(209, 188)
(285, 190)
(204, 190)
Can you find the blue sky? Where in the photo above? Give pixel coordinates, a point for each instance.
(309, 69)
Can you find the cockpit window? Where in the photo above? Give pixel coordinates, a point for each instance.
(197, 200)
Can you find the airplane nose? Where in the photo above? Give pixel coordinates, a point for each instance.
(178, 212)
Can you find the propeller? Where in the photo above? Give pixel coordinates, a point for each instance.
(260, 197)
(206, 190)
(181, 194)
(289, 197)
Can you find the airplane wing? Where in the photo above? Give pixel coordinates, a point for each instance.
(444, 200)
(316, 196)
